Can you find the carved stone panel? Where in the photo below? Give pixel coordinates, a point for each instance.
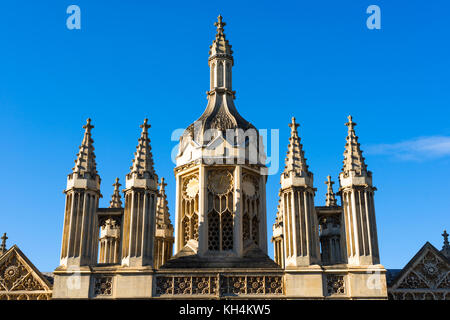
(103, 286)
(335, 284)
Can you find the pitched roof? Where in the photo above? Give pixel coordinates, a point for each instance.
(398, 279)
(18, 274)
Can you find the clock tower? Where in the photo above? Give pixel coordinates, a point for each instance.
(220, 180)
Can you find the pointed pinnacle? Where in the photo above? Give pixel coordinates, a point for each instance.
(116, 202)
(330, 196)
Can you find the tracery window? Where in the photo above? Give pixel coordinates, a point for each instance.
(189, 208)
(250, 218)
(220, 210)
(330, 239)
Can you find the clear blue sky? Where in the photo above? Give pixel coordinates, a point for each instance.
(316, 61)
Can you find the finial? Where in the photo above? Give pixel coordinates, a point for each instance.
(220, 24)
(350, 124)
(88, 125)
(445, 235)
(293, 125)
(446, 247)
(116, 183)
(163, 184)
(3, 245)
(145, 125)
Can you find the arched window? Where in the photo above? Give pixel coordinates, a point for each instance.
(220, 207)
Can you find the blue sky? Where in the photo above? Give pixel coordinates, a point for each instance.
(316, 61)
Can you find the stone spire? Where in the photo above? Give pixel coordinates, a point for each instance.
(220, 113)
(446, 247)
(3, 245)
(162, 210)
(353, 159)
(295, 157)
(85, 166)
(220, 44)
(116, 202)
(142, 167)
(331, 197)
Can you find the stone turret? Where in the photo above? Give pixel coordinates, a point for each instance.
(357, 195)
(80, 233)
(219, 162)
(140, 206)
(301, 240)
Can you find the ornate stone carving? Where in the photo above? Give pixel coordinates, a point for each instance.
(191, 188)
(20, 280)
(335, 284)
(220, 182)
(186, 285)
(235, 285)
(430, 272)
(251, 285)
(103, 285)
(204, 285)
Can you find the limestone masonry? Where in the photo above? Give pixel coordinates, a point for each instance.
(219, 236)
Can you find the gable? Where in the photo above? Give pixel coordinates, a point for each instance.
(20, 279)
(428, 270)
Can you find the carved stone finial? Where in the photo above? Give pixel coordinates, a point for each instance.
(220, 24)
(293, 125)
(446, 247)
(350, 124)
(445, 235)
(3, 245)
(88, 125)
(145, 126)
(162, 185)
(331, 197)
